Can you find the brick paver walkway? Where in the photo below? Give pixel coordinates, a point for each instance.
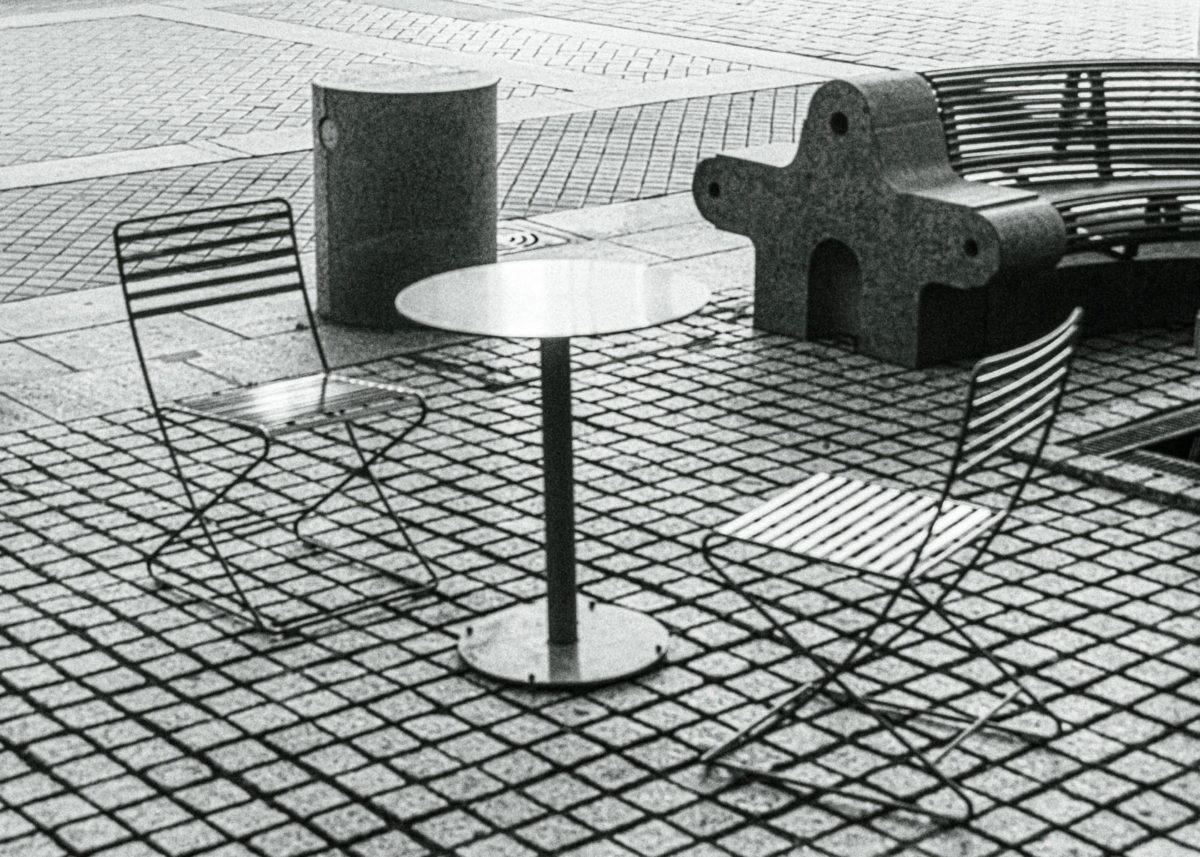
(136, 723)
(128, 719)
(59, 235)
(495, 38)
(898, 34)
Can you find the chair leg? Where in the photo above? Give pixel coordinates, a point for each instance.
(793, 701)
(852, 788)
(969, 723)
(780, 633)
(937, 606)
(412, 587)
(1009, 676)
(790, 705)
(198, 515)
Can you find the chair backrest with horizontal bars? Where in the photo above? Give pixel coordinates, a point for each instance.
(1016, 395)
(1012, 398)
(205, 257)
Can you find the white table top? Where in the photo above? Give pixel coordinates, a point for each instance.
(551, 298)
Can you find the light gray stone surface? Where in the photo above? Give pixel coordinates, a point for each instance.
(851, 232)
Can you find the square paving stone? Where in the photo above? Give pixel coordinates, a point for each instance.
(451, 829)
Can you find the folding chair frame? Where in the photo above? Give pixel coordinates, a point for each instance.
(340, 399)
(989, 427)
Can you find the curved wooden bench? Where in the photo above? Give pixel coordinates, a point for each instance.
(915, 204)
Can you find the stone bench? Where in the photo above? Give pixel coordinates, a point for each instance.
(920, 214)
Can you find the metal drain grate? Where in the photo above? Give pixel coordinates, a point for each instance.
(1113, 443)
(1162, 463)
(515, 238)
(1158, 444)
(1155, 458)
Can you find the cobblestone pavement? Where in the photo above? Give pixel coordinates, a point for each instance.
(146, 82)
(29, 7)
(136, 722)
(495, 38)
(59, 236)
(132, 724)
(899, 34)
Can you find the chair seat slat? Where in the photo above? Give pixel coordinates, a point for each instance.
(949, 534)
(908, 527)
(840, 521)
(802, 510)
(903, 554)
(773, 510)
(854, 523)
(870, 530)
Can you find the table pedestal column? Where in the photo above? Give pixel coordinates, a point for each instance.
(558, 469)
(562, 640)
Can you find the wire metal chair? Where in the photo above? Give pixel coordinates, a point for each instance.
(194, 262)
(896, 539)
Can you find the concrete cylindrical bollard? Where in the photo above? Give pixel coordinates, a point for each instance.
(404, 184)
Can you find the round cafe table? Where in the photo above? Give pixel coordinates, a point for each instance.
(563, 640)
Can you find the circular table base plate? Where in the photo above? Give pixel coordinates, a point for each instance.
(512, 645)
